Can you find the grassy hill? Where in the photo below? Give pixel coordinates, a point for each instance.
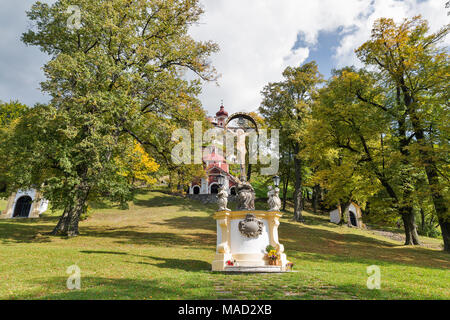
(162, 247)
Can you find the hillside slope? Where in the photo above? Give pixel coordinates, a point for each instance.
(161, 248)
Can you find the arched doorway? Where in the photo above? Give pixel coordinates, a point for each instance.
(196, 190)
(23, 206)
(214, 189)
(353, 219)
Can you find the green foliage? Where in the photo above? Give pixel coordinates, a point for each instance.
(414, 68)
(86, 213)
(117, 80)
(286, 106)
(260, 183)
(377, 137)
(10, 112)
(430, 231)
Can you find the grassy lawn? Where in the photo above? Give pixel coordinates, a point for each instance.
(3, 204)
(162, 247)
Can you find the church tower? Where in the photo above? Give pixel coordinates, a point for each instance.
(221, 116)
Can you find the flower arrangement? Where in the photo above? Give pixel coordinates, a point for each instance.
(289, 265)
(272, 255)
(231, 263)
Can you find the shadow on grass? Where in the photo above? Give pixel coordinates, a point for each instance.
(304, 239)
(33, 231)
(99, 288)
(27, 230)
(186, 222)
(179, 264)
(200, 287)
(103, 252)
(130, 235)
(178, 201)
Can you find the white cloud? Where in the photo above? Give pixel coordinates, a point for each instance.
(433, 11)
(256, 38)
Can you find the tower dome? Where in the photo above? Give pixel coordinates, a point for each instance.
(221, 116)
(222, 112)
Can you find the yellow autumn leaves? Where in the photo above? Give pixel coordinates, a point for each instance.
(138, 165)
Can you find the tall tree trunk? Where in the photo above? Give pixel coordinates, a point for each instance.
(63, 221)
(406, 209)
(422, 215)
(344, 206)
(315, 197)
(405, 212)
(285, 188)
(68, 222)
(412, 238)
(445, 229)
(427, 159)
(298, 197)
(440, 205)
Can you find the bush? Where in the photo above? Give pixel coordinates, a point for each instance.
(86, 214)
(429, 231)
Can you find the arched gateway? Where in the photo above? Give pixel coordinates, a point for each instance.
(23, 207)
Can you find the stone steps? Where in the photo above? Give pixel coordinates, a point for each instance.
(256, 269)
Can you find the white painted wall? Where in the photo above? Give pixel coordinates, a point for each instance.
(31, 193)
(43, 206)
(352, 207)
(335, 217)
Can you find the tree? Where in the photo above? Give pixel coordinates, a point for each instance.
(285, 105)
(9, 113)
(360, 151)
(114, 81)
(139, 165)
(336, 132)
(411, 61)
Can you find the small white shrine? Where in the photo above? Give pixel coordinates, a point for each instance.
(25, 204)
(353, 216)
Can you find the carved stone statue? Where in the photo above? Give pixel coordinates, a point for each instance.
(246, 196)
(222, 199)
(274, 199)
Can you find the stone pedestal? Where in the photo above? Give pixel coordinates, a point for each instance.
(249, 252)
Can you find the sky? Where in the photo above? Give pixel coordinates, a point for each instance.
(258, 39)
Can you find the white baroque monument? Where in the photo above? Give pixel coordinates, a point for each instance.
(244, 234)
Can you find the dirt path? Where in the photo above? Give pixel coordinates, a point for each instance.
(400, 237)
